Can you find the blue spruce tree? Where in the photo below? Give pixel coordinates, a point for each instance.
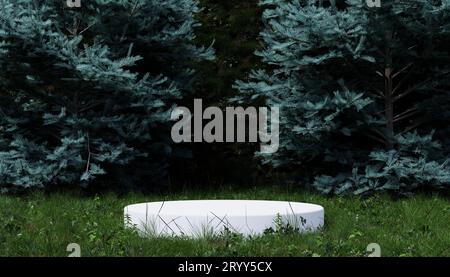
(86, 92)
(363, 92)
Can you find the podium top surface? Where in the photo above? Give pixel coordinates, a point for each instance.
(223, 208)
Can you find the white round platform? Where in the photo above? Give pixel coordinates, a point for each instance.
(197, 218)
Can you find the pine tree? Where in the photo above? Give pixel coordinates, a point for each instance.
(356, 87)
(76, 99)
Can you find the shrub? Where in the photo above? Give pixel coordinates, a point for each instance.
(77, 101)
(357, 89)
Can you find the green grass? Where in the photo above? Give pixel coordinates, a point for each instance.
(43, 225)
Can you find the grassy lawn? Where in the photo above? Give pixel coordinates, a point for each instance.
(43, 225)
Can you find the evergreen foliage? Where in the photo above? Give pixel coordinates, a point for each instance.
(85, 93)
(77, 102)
(362, 92)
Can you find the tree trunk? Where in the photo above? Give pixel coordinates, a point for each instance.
(388, 97)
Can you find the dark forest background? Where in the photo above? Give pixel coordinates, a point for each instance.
(234, 27)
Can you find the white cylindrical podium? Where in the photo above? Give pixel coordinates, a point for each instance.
(196, 218)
